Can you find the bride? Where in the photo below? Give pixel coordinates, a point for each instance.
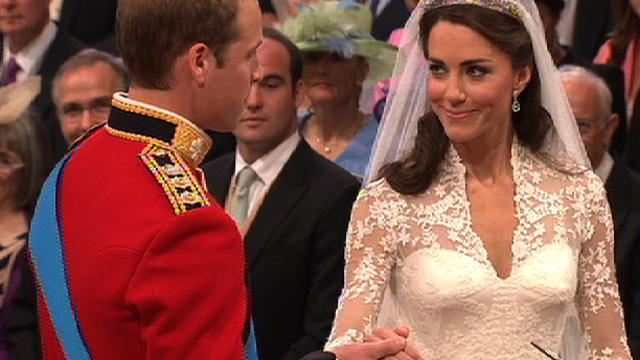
(484, 229)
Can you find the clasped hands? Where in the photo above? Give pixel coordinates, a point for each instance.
(382, 344)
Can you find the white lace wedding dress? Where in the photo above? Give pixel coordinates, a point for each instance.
(416, 261)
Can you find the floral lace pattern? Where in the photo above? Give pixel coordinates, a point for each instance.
(416, 261)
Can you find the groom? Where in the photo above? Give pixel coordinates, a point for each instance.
(134, 259)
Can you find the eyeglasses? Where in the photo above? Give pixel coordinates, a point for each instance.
(585, 126)
(9, 161)
(97, 107)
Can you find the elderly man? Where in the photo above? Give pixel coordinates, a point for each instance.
(34, 45)
(590, 101)
(133, 258)
(82, 90)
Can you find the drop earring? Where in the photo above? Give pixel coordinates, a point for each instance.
(515, 105)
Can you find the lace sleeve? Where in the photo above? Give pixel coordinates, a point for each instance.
(369, 257)
(597, 298)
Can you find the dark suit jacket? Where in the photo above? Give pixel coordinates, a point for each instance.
(632, 152)
(623, 193)
(62, 48)
(594, 19)
(392, 17)
(296, 249)
(92, 22)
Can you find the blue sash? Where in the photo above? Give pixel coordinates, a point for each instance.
(250, 348)
(46, 245)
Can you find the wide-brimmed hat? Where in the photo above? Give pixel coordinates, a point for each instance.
(342, 27)
(16, 98)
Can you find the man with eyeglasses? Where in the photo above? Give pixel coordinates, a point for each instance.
(590, 100)
(82, 91)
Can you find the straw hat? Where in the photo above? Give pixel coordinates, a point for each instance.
(342, 27)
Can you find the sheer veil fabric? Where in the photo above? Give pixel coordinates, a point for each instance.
(408, 99)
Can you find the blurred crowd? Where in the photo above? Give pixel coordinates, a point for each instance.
(60, 69)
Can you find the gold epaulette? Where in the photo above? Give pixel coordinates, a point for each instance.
(175, 177)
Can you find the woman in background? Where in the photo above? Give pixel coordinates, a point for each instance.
(20, 180)
(340, 60)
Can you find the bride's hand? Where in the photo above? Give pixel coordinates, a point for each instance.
(402, 332)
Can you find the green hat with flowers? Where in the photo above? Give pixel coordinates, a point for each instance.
(342, 27)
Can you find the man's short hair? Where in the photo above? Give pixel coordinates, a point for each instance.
(85, 58)
(295, 56)
(603, 89)
(151, 35)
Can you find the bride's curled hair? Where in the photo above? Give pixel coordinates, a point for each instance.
(415, 173)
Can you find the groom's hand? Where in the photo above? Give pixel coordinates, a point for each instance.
(409, 352)
(370, 350)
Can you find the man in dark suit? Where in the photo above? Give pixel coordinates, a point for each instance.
(388, 15)
(594, 20)
(92, 22)
(590, 101)
(294, 210)
(34, 45)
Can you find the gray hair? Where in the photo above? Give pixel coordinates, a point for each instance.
(575, 71)
(86, 58)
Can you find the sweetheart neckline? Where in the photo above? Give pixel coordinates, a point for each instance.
(515, 269)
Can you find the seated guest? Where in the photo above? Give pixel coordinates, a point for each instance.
(92, 22)
(590, 101)
(340, 59)
(585, 24)
(82, 90)
(550, 11)
(388, 15)
(623, 48)
(32, 44)
(293, 205)
(20, 179)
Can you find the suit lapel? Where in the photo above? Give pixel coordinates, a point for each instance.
(280, 200)
(68, 12)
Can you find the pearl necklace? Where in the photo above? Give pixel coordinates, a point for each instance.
(327, 147)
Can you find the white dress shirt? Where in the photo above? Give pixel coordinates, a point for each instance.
(267, 167)
(567, 22)
(55, 8)
(604, 168)
(30, 58)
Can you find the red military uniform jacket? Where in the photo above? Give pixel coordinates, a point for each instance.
(155, 267)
